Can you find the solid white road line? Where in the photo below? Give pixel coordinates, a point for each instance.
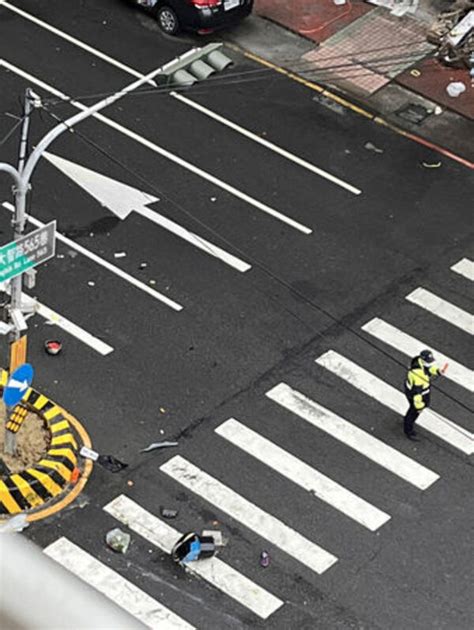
(71, 328)
(55, 318)
(303, 475)
(115, 587)
(443, 309)
(122, 199)
(410, 346)
(245, 132)
(213, 570)
(269, 145)
(352, 436)
(73, 40)
(465, 267)
(251, 516)
(104, 263)
(166, 154)
(387, 395)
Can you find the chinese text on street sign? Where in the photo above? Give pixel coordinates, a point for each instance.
(28, 251)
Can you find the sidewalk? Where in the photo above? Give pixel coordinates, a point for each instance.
(377, 60)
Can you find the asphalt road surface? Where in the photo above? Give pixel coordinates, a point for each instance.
(258, 304)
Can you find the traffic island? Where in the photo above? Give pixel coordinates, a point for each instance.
(44, 475)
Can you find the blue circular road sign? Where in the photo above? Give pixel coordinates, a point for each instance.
(18, 384)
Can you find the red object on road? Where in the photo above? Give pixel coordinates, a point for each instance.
(53, 346)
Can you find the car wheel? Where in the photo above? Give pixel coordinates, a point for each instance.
(167, 20)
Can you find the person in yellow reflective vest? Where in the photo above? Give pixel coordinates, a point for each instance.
(417, 388)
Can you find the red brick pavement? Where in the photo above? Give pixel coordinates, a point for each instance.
(315, 19)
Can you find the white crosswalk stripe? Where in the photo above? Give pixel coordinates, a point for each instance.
(443, 309)
(373, 386)
(266, 525)
(213, 570)
(465, 267)
(354, 437)
(410, 346)
(300, 473)
(115, 587)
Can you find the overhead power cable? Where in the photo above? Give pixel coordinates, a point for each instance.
(256, 263)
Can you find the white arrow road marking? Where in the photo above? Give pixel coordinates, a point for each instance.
(164, 153)
(105, 263)
(465, 267)
(21, 385)
(122, 199)
(245, 132)
(111, 584)
(443, 309)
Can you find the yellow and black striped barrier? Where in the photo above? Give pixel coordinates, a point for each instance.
(33, 487)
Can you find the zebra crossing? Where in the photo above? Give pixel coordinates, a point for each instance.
(225, 499)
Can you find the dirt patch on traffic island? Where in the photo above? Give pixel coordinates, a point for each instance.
(33, 440)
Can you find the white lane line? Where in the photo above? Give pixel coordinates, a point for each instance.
(73, 40)
(167, 154)
(443, 309)
(465, 267)
(322, 487)
(410, 346)
(104, 263)
(269, 145)
(266, 525)
(55, 318)
(125, 594)
(213, 570)
(387, 395)
(245, 132)
(352, 436)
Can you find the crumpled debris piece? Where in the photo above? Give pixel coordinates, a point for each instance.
(111, 463)
(371, 147)
(118, 540)
(264, 559)
(431, 164)
(88, 453)
(120, 254)
(168, 513)
(156, 445)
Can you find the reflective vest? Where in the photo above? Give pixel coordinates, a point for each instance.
(417, 384)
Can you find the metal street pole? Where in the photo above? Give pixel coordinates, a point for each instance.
(22, 175)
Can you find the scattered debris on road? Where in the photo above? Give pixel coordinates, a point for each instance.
(143, 265)
(91, 283)
(455, 88)
(264, 559)
(53, 346)
(371, 147)
(111, 463)
(120, 254)
(156, 445)
(191, 547)
(88, 453)
(14, 524)
(168, 513)
(431, 164)
(118, 540)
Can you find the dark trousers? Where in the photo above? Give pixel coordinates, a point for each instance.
(410, 418)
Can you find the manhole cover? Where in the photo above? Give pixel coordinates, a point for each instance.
(414, 113)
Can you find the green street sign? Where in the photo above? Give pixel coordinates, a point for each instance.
(28, 251)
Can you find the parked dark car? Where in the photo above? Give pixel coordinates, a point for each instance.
(201, 16)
